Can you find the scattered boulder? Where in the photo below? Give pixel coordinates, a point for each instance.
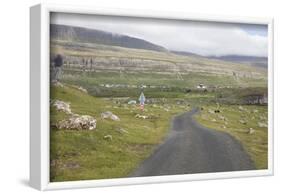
(260, 124)
(115, 118)
(214, 120)
(141, 116)
(211, 111)
(62, 106)
(131, 102)
(76, 122)
(243, 122)
(221, 117)
(251, 131)
(240, 108)
(107, 137)
(180, 102)
(255, 111)
(82, 89)
(166, 109)
(109, 115)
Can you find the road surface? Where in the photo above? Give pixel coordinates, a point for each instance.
(191, 148)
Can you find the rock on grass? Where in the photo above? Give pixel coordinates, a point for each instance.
(61, 106)
(260, 124)
(109, 115)
(77, 122)
(108, 137)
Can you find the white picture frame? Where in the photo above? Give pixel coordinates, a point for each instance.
(39, 100)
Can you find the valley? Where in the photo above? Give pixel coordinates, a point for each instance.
(232, 97)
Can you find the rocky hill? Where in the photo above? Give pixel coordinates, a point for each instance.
(86, 35)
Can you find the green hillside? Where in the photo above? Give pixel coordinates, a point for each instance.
(82, 155)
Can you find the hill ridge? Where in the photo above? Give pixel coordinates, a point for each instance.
(81, 34)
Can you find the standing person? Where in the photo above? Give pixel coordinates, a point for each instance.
(58, 65)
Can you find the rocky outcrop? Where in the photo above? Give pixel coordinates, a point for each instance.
(87, 35)
(77, 122)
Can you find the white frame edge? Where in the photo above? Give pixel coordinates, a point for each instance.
(39, 97)
(35, 20)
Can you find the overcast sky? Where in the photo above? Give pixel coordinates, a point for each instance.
(205, 38)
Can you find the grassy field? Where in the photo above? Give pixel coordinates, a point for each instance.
(81, 155)
(163, 85)
(238, 121)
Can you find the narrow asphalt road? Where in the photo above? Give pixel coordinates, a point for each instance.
(191, 148)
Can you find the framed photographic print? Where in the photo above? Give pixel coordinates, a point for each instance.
(134, 97)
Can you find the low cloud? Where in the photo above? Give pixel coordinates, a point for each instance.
(205, 38)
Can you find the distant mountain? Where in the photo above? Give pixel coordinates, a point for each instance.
(250, 60)
(86, 35)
